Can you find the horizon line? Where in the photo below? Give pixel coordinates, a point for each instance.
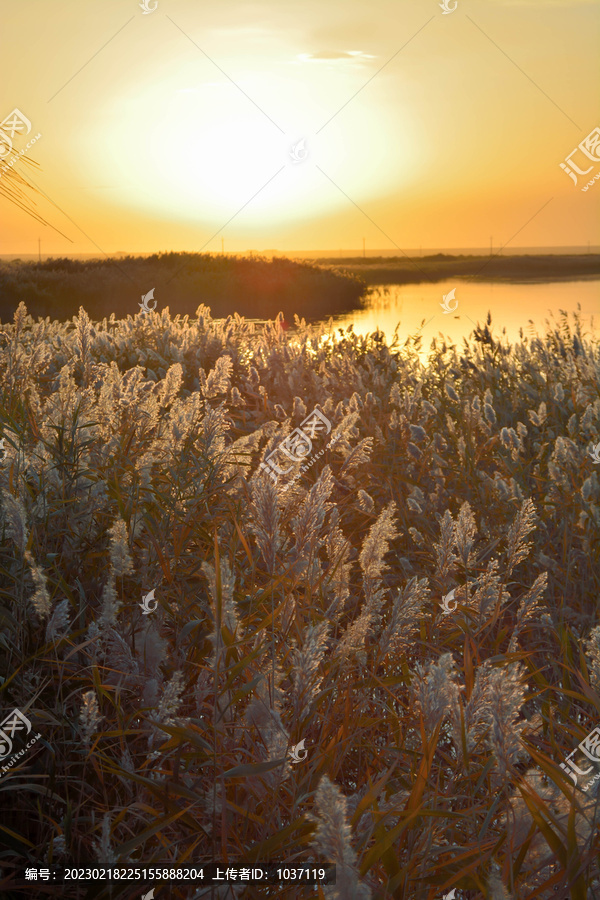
(330, 252)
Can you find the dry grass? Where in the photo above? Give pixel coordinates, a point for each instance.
(434, 741)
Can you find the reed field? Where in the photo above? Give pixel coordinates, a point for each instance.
(310, 610)
(253, 286)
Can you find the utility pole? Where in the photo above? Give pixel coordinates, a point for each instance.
(223, 245)
(39, 249)
(363, 248)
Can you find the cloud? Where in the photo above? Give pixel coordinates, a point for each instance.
(329, 55)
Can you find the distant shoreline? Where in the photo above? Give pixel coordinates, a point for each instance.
(515, 269)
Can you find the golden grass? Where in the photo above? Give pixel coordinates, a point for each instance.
(434, 741)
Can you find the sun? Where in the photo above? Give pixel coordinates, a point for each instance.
(207, 154)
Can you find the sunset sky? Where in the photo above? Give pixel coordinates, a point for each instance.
(172, 129)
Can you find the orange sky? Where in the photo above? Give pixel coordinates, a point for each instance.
(171, 129)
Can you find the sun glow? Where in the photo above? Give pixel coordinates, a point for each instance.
(206, 153)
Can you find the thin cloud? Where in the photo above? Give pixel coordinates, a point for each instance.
(331, 55)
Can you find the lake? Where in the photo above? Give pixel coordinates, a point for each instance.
(512, 306)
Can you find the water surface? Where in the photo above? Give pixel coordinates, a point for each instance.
(512, 306)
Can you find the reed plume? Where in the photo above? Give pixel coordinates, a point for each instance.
(332, 840)
(89, 716)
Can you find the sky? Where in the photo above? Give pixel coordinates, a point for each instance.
(314, 125)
